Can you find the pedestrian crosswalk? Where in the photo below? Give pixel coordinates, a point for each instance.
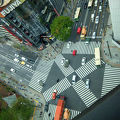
(60, 86)
(51, 111)
(40, 74)
(73, 113)
(85, 94)
(86, 69)
(65, 71)
(81, 48)
(111, 79)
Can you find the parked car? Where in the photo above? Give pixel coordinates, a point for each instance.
(16, 55)
(79, 30)
(92, 17)
(62, 61)
(97, 19)
(12, 70)
(28, 65)
(22, 63)
(74, 79)
(93, 35)
(100, 8)
(85, 5)
(96, 1)
(46, 107)
(66, 63)
(16, 60)
(83, 61)
(23, 58)
(87, 83)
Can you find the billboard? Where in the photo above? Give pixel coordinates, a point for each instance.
(9, 6)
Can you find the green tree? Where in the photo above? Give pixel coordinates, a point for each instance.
(61, 27)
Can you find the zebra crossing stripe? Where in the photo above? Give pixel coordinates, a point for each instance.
(52, 109)
(81, 48)
(86, 69)
(66, 71)
(60, 87)
(73, 113)
(111, 79)
(40, 74)
(85, 94)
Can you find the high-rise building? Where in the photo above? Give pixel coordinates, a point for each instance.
(28, 20)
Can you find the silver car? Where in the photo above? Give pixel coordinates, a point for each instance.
(83, 61)
(87, 83)
(74, 79)
(97, 20)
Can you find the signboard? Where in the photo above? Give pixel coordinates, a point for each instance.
(10, 7)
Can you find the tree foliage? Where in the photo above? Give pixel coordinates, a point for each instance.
(61, 27)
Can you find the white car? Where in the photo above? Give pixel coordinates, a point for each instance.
(96, 1)
(83, 61)
(92, 17)
(12, 70)
(93, 35)
(69, 44)
(100, 8)
(23, 58)
(16, 60)
(74, 79)
(97, 19)
(87, 83)
(62, 61)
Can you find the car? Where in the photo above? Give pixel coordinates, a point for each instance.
(23, 58)
(79, 30)
(74, 79)
(16, 60)
(22, 63)
(46, 107)
(69, 44)
(87, 83)
(87, 42)
(66, 63)
(96, 1)
(85, 5)
(83, 61)
(100, 8)
(97, 19)
(54, 94)
(16, 55)
(28, 65)
(62, 61)
(93, 35)
(12, 70)
(92, 17)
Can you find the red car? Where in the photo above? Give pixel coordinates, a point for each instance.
(74, 52)
(54, 94)
(79, 30)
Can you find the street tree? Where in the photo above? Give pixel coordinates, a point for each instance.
(61, 27)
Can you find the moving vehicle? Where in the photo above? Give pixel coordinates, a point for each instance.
(83, 33)
(79, 30)
(92, 17)
(54, 94)
(96, 1)
(46, 107)
(66, 114)
(12, 70)
(93, 35)
(85, 5)
(23, 58)
(59, 109)
(28, 65)
(87, 83)
(90, 4)
(66, 64)
(77, 13)
(83, 61)
(74, 79)
(22, 63)
(69, 44)
(16, 55)
(97, 56)
(62, 61)
(97, 19)
(100, 8)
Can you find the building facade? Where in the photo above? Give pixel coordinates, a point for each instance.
(28, 20)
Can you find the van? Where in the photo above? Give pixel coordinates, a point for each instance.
(92, 17)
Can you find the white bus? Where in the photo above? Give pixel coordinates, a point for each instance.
(90, 4)
(77, 13)
(97, 56)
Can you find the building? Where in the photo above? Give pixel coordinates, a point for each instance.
(28, 20)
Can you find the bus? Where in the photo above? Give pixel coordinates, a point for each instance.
(90, 4)
(77, 13)
(97, 56)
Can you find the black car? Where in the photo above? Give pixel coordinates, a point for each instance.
(85, 5)
(46, 107)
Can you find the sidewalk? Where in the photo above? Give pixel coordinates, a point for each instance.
(110, 52)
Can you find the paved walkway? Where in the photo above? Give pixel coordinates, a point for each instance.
(110, 52)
